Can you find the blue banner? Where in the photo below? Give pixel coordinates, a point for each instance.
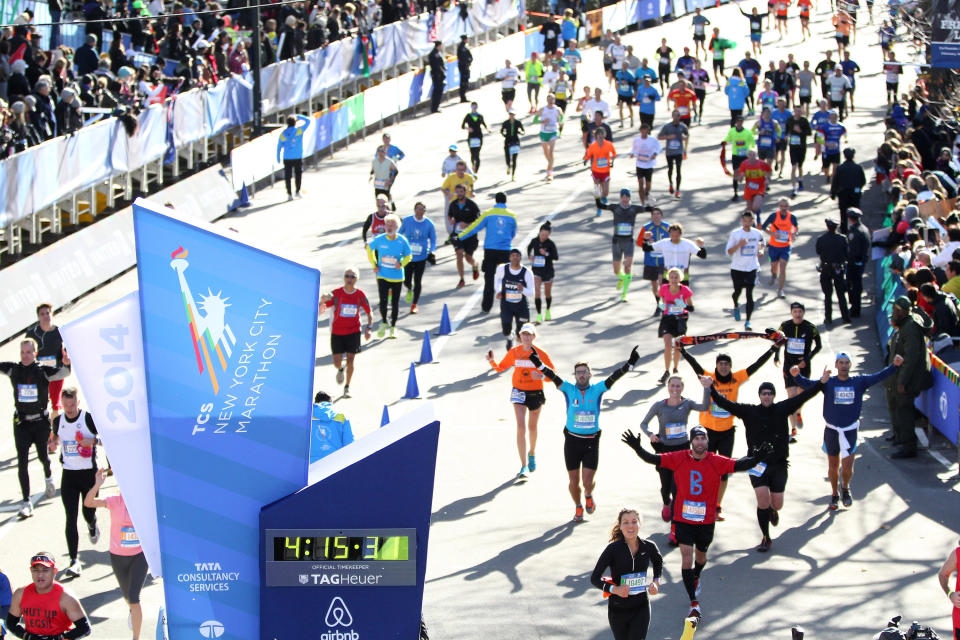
(648, 9)
(416, 90)
(939, 403)
(324, 130)
(341, 123)
(229, 336)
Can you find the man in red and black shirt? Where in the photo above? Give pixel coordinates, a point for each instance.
(697, 474)
(347, 301)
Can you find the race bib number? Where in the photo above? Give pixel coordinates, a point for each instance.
(416, 248)
(684, 111)
(636, 581)
(47, 361)
(717, 412)
(585, 418)
(513, 296)
(539, 261)
(796, 346)
(673, 144)
(388, 261)
(676, 308)
(474, 142)
(804, 91)
(795, 140)
(27, 393)
(694, 511)
(70, 448)
(755, 186)
(518, 397)
(765, 141)
(656, 255)
(758, 470)
(624, 229)
(749, 73)
(674, 430)
(602, 163)
(647, 100)
(782, 236)
(380, 183)
(833, 145)
(624, 88)
(748, 250)
(128, 537)
(844, 395)
(348, 310)
(718, 54)
(514, 149)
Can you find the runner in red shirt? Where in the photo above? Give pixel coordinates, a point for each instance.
(781, 7)
(684, 101)
(45, 607)
(347, 301)
(951, 566)
(805, 17)
(697, 474)
(756, 173)
(600, 154)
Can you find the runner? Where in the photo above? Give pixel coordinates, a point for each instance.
(950, 566)
(801, 345)
(126, 555)
(511, 130)
(833, 133)
(600, 155)
(624, 219)
(533, 73)
(797, 130)
(742, 143)
(500, 224)
(542, 253)
(49, 351)
(805, 81)
(767, 98)
(474, 123)
(676, 303)
(782, 227)
(685, 62)
(646, 99)
(508, 77)
(780, 115)
(850, 70)
(47, 609)
(842, 404)
(383, 173)
(77, 432)
(744, 246)
(677, 137)
(422, 237)
(549, 131)
(699, 23)
(628, 557)
(819, 118)
(672, 414)
(347, 302)
(719, 422)
(751, 72)
(805, 18)
(645, 149)
(699, 79)
(290, 152)
(767, 131)
(562, 92)
(697, 474)
(461, 213)
(572, 56)
(582, 432)
(588, 108)
(616, 52)
(682, 97)
(551, 76)
(459, 177)
(676, 250)
(737, 94)
(717, 46)
(781, 7)
(526, 394)
(450, 162)
(755, 174)
(824, 68)
(663, 54)
(891, 72)
(756, 28)
(31, 423)
(653, 269)
(389, 253)
(514, 284)
(843, 23)
(393, 151)
(838, 85)
(626, 88)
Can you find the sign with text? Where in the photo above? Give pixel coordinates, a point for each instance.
(945, 40)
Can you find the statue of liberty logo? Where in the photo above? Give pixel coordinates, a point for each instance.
(212, 337)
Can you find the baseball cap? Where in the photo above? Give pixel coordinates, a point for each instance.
(853, 212)
(453, 147)
(698, 430)
(831, 222)
(903, 302)
(45, 559)
(842, 356)
(797, 305)
(528, 327)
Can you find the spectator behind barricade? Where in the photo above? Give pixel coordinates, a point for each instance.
(334, 26)
(329, 430)
(44, 118)
(239, 61)
(93, 13)
(946, 348)
(67, 112)
(291, 38)
(221, 54)
(944, 309)
(204, 72)
(952, 285)
(23, 132)
(316, 37)
(117, 53)
(20, 47)
(17, 84)
(87, 58)
(171, 47)
(913, 376)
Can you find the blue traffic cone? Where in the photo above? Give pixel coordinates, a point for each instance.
(413, 391)
(445, 329)
(385, 418)
(244, 196)
(426, 354)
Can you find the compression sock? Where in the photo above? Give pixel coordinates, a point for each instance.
(538, 304)
(549, 301)
(627, 278)
(749, 307)
(763, 517)
(603, 200)
(690, 583)
(698, 569)
(597, 200)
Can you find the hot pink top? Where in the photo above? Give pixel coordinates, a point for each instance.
(123, 537)
(675, 303)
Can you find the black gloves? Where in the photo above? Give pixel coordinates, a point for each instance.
(535, 359)
(631, 440)
(762, 451)
(432, 259)
(634, 357)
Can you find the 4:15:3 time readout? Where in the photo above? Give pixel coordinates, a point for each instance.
(341, 548)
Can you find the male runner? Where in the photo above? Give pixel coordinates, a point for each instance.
(347, 302)
(508, 76)
(645, 149)
(824, 68)
(838, 85)
(383, 173)
(458, 177)
(842, 403)
(624, 219)
(781, 9)
(474, 123)
(375, 223)
(533, 72)
(754, 173)
(766, 423)
(805, 81)
(49, 350)
(684, 101)
(805, 18)
(850, 70)
(719, 51)
(741, 142)
(699, 24)
(600, 154)
(422, 236)
(460, 214)
(780, 115)
(626, 87)
(572, 57)
(550, 121)
(767, 131)
(46, 608)
(646, 98)
(797, 130)
(744, 246)
(833, 132)
(676, 134)
(782, 227)
(801, 344)
(891, 73)
(685, 62)
(697, 474)
(500, 224)
(389, 253)
(819, 118)
(756, 28)
(657, 229)
(676, 250)
(663, 53)
(514, 285)
(581, 434)
(588, 107)
(751, 73)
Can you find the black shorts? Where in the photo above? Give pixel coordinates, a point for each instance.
(766, 154)
(774, 477)
(532, 400)
(782, 144)
(627, 100)
(607, 65)
(131, 573)
(798, 153)
(782, 18)
(805, 99)
(737, 161)
(699, 37)
(674, 325)
(349, 343)
(651, 273)
(743, 279)
(718, 65)
(645, 172)
(701, 96)
(892, 86)
(721, 441)
(788, 380)
(844, 40)
(382, 192)
(579, 451)
(562, 105)
(830, 158)
(508, 95)
(544, 273)
(468, 245)
(646, 118)
(584, 125)
(699, 535)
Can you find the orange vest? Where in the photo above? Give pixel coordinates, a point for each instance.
(782, 234)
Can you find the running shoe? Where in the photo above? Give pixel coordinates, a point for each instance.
(346, 391)
(591, 505)
(663, 378)
(413, 308)
(793, 192)
(547, 316)
(298, 195)
(599, 213)
(623, 296)
(289, 197)
(736, 314)
(734, 198)
(539, 318)
(793, 431)
(765, 545)
(578, 514)
(720, 517)
(461, 283)
(799, 420)
(676, 193)
(340, 375)
(524, 470)
(695, 610)
(792, 440)
(393, 332)
(382, 329)
(409, 296)
(780, 293)
(508, 171)
(665, 513)
(672, 541)
(74, 570)
(847, 498)
(531, 462)
(670, 188)
(774, 517)
(834, 502)
(94, 532)
(799, 185)
(751, 112)
(746, 326)
(26, 510)
(476, 272)
(772, 280)
(51, 489)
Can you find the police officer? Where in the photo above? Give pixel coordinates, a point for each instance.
(438, 75)
(858, 247)
(464, 58)
(832, 249)
(848, 182)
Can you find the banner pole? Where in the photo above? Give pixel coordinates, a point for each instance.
(257, 43)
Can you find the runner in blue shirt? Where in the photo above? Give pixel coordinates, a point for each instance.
(572, 57)
(653, 260)
(582, 432)
(781, 114)
(644, 70)
(751, 71)
(647, 98)
(767, 131)
(833, 132)
(290, 151)
(626, 87)
(422, 237)
(850, 69)
(685, 62)
(389, 253)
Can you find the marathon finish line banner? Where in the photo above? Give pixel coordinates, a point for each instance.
(229, 335)
(945, 40)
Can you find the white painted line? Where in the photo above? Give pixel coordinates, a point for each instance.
(939, 458)
(7, 526)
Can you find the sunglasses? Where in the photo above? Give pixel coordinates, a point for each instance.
(350, 276)
(39, 559)
(766, 393)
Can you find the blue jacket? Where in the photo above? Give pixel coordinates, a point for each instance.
(290, 143)
(500, 224)
(843, 401)
(737, 93)
(329, 431)
(647, 98)
(421, 235)
(394, 153)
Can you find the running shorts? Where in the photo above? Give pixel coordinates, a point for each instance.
(699, 535)
(562, 105)
(699, 37)
(584, 125)
(748, 194)
(349, 343)
(652, 273)
(773, 476)
(131, 573)
(744, 280)
(717, 65)
(579, 451)
(778, 253)
(766, 154)
(721, 442)
(469, 245)
(646, 118)
(737, 161)
(843, 39)
(622, 247)
(544, 273)
(645, 172)
(674, 325)
(831, 158)
(782, 144)
(805, 99)
(798, 153)
(547, 137)
(598, 176)
(508, 95)
(781, 18)
(607, 65)
(627, 100)
(892, 86)
(788, 380)
(831, 441)
(756, 37)
(532, 400)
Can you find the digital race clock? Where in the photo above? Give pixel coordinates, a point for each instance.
(340, 557)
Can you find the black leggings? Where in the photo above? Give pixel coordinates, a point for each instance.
(629, 624)
(131, 573)
(513, 314)
(35, 433)
(475, 158)
(291, 168)
(744, 281)
(386, 287)
(74, 485)
(413, 275)
(701, 98)
(511, 159)
(668, 489)
(674, 160)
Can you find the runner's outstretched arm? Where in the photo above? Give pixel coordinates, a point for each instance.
(544, 369)
(633, 442)
(697, 369)
(735, 408)
(629, 364)
(752, 369)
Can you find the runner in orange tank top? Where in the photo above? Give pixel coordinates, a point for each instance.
(44, 608)
(950, 566)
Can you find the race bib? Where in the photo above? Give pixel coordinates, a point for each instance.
(753, 185)
(684, 111)
(474, 142)
(647, 99)
(804, 91)
(718, 54)
(717, 412)
(796, 346)
(416, 248)
(694, 511)
(518, 397)
(782, 236)
(656, 255)
(833, 145)
(27, 393)
(47, 361)
(514, 149)
(624, 229)
(348, 310)
(513, 296)
(748, 250)
(602, 163)
(794, 139)
(844, 395)
(758, 470)
(636, 581)
(623, 88)
(674, 430)
(585, 418)
(749, 73)
(70, 448)
(380, 183)
(765, 141)
(676, 308)
(539, 261)
(673, 144)
(128, 537)
(388, 261)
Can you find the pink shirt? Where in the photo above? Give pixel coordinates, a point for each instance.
(676, 303)
(123, 537)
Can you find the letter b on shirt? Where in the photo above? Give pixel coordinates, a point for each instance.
(696, 483)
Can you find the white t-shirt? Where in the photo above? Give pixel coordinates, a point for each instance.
(618, 52)
(676, 255)
(746, 258)
(591, 106)
(508, 76)
(645, 150)
(549, 119)
(550, 79)
(837, 85)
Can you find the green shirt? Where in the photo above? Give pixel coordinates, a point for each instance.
(952, 286)
(740, 141)
(534, 71)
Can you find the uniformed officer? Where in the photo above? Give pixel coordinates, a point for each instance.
(848, 182)
(832, 249)
(858, 247)
(438, 75)
(464, 58)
